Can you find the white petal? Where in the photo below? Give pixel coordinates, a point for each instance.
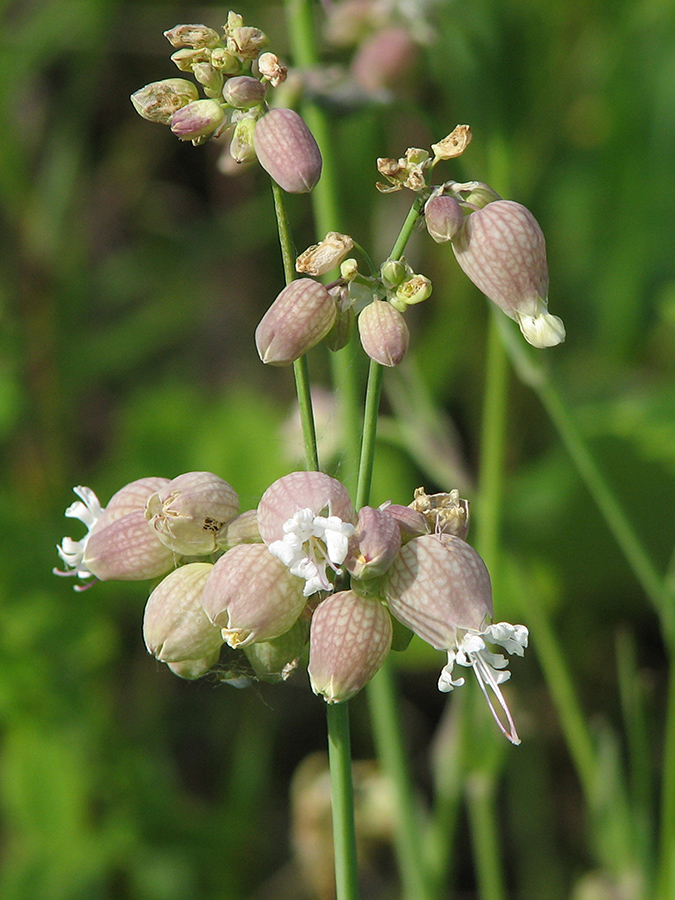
(513, 638)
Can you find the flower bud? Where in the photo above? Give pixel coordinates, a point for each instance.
(437, 584)
(413, 290)
(209, 77)
(300, 490)
(384, 333)
(197, 121)
(410, 522)
(241, 530)
(246, 41)
(272, 69)
(350, 638)
(195, 36)
(252, 596)
(299, 318)
(443, 217)
(189, 513)
(339, 335)
(277, 659)
(225, 61)
(502, 250)
(287, 151)
(321, 258)
(175, 626)
(157, 102)
(349, 269)
(241, 145)
(393, 272)
(375, 543)
(243, 92)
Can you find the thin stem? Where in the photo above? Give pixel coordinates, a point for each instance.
(666, 857)
(408, 225)
(342, 796)
(536, 376)
(391, 751)
(480, 793)
(300, 367)
(373, 393)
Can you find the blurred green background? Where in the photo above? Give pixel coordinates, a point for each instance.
(132, 275)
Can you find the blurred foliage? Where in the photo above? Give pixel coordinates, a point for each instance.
(132, 275)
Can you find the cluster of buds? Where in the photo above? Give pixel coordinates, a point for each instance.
(234, 72)
(306, 312)
(302, 570)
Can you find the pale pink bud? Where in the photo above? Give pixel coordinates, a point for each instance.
(175, 626)
(287, 151)
(301, 490)
(384, 333)
(437, 584)
(192, 36)
(244, 92)
(350, 638)
(198, 120)
(375, 543)
(502, 250)
(252, 596)
(157, 102)
(443, 217)
(189, 513)
(339, 335)
(299, 318)
(121, 545)
(410, 522)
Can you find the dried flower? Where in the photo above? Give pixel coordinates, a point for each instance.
(453, 145)
(196, 36)
(157, 102)
(321, 258)
(272, 69)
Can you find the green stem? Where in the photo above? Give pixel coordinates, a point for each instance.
(666, 873)
(408, 225)
(342, 796)
(536, 376)
(481, 805)
(384, 705)
(300, 367)
(370, 415)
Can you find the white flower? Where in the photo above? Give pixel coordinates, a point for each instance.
(88, 510)
(310, 544)
(490, 668)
